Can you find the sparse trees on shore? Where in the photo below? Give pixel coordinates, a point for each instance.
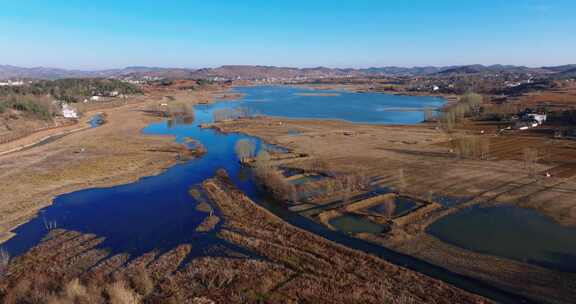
(467, 105)
(472, 147)
(226, 114)
(429, 115)
(530, 160)
(245, 149)
(270, 177)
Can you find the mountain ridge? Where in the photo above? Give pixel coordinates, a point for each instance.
(263, 71)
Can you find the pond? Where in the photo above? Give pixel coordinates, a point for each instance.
(510, 232)
(96, 121)
(306, 179)
(396, 207)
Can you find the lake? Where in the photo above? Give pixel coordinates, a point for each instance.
(371, 108)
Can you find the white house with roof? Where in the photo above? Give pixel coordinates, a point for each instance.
(68, 111)
(540, 118)
(11, 83)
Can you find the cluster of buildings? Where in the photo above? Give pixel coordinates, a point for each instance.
(528, 119)
(11, 83)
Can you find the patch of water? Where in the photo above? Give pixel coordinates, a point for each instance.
(306, 179)
(295, 102)
(398, 206)
(96, 121)
(351, 223)
(510, 232)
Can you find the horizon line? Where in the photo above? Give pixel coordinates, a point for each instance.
(277, 66)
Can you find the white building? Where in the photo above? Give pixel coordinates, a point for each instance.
(11, 83)
(540, 118)
(68, 111)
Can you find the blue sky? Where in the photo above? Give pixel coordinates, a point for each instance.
(360, 33)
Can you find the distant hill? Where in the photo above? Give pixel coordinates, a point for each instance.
(259, 72)
(570, 73)
(9, 72)
(561, 68)
(403, 71)
(479, 69)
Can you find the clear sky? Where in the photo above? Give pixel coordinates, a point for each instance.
(353, 33)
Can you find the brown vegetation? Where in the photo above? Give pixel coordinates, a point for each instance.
(471, 164)
(322, 268)
(298, 267)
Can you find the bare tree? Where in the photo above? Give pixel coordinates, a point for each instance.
(429, 115)
(467, 105)
(388, 206)
(4, 260)
(245, 149)
(530, 160)
(346, 192)
(262, 159)
(401, 184)
(472, 147)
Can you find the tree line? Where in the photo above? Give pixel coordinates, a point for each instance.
(71, 90)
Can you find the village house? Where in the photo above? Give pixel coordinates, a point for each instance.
(539, 118)
(69, 112)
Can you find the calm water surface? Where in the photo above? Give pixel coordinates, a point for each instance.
(350, 223)
(510, 232)
(372, 108)
(398, 206)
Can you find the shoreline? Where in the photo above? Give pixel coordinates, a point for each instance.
(361, 88)
(125, 161)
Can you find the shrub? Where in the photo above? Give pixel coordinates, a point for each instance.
(141, 282)
(74, 290)
(119, 294)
